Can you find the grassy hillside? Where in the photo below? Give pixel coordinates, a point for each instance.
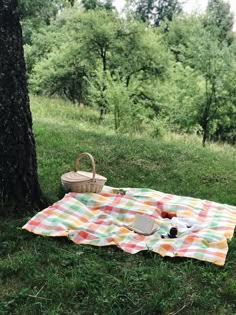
(54, 276)
(171, 164)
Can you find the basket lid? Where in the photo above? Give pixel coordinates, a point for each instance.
(80, 176)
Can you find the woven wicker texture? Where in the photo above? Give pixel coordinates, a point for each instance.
(81, 182)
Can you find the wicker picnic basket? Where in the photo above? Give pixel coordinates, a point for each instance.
(82, 182)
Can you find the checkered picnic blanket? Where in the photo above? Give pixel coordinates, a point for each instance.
(100, 220)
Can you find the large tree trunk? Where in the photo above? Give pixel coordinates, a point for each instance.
(19, 188)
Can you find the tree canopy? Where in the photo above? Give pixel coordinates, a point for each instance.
(156, 11)
(168, 67)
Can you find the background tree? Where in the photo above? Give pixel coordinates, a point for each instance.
(180, 78)
(166, 9)
(141, 53)
(183, 30)
(220, 20)
(211, 65)
(19, 187)
(36, 14)
(69, 52)
(97, 4)
(62, 73)
(156, 11)
(213, 60)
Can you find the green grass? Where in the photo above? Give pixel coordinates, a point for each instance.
(40, 275)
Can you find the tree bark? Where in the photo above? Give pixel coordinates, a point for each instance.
(19, 187)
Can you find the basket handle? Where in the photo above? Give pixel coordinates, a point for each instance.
(92, 160)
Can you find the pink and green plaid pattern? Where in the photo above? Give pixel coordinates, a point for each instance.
(99, 219)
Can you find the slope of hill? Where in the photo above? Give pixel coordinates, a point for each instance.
(40, 275)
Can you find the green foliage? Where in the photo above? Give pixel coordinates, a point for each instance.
(180, 78)
(180, 97)
(62, 73)
(89, 47)
(111, 94)
(129, 116)
(97, 4)
(156, 11)
(37, 14)
(182, 32)
(99, 33)
(214, 62)
(211, 61)
(120, 103)
(75, 45)
(141, 53)
(219, 20)
(38, 8)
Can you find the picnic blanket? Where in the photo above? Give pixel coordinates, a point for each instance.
(101, 219)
